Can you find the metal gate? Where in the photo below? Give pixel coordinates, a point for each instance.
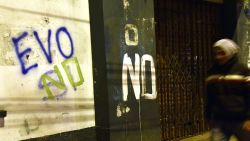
(185, 32)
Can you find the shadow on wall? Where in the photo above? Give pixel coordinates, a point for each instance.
(67, 110)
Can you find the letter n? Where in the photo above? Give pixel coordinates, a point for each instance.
(59, 84)
(134, 75)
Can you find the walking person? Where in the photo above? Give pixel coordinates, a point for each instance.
(228, 94)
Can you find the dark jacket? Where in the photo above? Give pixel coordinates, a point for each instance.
(228, 95)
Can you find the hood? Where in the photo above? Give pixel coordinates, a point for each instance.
(228, 46)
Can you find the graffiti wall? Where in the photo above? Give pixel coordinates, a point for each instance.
(130, 38)
(131, 96)
(45, 67)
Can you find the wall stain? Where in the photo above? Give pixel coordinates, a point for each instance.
(7, 55)
(46, 19)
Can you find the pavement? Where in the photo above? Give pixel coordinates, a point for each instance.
(204, 137)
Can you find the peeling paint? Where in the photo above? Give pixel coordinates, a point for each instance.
(122, 109)
(126, 4)
(126, 8)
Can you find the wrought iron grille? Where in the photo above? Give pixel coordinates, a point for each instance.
(185, 32)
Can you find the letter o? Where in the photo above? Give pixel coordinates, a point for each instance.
(64, 29)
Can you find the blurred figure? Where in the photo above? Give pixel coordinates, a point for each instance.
(228, 94)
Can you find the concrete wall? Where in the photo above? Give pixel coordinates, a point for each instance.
(45, 67)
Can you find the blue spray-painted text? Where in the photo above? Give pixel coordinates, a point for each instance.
(21, 54)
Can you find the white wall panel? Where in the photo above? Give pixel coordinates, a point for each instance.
(29, 114)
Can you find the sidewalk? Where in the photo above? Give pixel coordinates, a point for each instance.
(204, 137)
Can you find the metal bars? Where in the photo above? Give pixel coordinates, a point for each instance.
(185, 31)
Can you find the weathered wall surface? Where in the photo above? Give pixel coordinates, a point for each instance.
(126, 36)
(45, 67)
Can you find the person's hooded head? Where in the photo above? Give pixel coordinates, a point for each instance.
(224, 50)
